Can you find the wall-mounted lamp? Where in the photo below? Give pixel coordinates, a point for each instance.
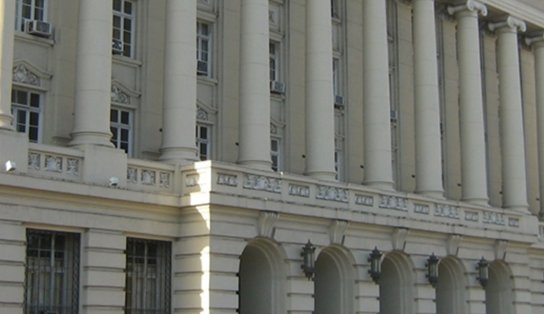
(308, 261)
(375, 264)
(483, 271)
(10, 166)
(432, 269)
(113, 182)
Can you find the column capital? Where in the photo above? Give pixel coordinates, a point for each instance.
(535, 40)
(509, 24)
(471, 6)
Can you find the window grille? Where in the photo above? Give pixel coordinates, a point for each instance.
(51, 273)
(26, 111)
(123, 25)
(147, 277)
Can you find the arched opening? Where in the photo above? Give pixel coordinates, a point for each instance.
(396, 285)
(498, 291)
(261, 279)
(450, 288)
(333, 283)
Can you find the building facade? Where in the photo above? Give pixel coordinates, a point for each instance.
(317, 156)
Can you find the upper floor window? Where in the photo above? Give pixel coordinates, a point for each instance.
(123, 27)
(51, 272)
(275, 153)
(26, 110)
(28, 10)
(274, 56)
(147, 276)
(121, 127)
(203, 141)
(335, 9)
(203, 48)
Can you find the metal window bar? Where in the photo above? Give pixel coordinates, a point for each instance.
(52, 273)
(147, 277)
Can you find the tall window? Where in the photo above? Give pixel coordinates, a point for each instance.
(26, 110)
(123, 27)
(274, 55)
(275, 153)
(392, 44)
(121, 127)
(203, 141)
(27, 10)
(51, 272)
(147, 277)
(335, 10)
(203, 48)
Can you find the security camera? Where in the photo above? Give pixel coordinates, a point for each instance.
(114, 182)
(10, 166)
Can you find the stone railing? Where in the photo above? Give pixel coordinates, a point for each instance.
(55, 162)
(150, 176)
(351, 201)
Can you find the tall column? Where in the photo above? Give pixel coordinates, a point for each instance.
(514, 182)
(427, 106)
(7, 23)
(93, 74)
(319, 91)
(179, 109)
(473, 155)
(538, 48)
(377, 125)
(254, 86)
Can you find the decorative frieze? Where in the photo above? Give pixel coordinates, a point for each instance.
(191, 180)
(472, 216)
(331, 193)
(262, 183)
(393, 202)
(164, 180)
(119, 96)
(21, 74)
(227, 179)
(365, 200)
(513, 222)
(132, 175)
(299, 190)
(448, 211)
(54, 163)
(422, 209)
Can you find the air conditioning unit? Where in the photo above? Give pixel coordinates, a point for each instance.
(117, 46)
(277, 87)
(338, 101)
(38, 28)
(202, 68)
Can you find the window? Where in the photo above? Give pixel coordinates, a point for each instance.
(335, 10)
(26, 110)
(275, 153)
(147, 277)
(123, 27)
(203, 49)
(274, 61)
(51, 272)
(203, 141)
(121, 128)
(27, 10)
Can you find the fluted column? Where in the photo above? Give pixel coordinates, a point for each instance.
(179, 109)
(377, 125)
(514, 182)
(538, 48)
(319, 91)
(7, 23)
(254, 135)
(93, 74)
(427, 106)
(473, 155)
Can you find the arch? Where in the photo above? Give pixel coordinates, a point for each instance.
(261, 284)
(499, 289)
(334, 281)
(450, 288)
(396, 284)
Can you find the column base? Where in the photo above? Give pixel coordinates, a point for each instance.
(5, 122)
(256, 164)
(484, 202)
(322, 175)
(439, 195)
(522, 209)
(91, 138)
(178, 155)
(386, 186)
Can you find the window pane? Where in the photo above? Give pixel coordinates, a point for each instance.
(203, 132)
(113, 115)
(128, 7)
(117, 5)
(34, 100)
(125, 117)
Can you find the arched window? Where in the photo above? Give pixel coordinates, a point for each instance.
(396, 285)
(261, 279)
(450, 288)
(333, 283)
(498, 291)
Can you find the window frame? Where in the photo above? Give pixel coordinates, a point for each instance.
(128, 49)
(163, 284)
(119, 126)
(20, 20)
(275, 56)
(200, 140)
(45, 274)
(277, 154)
(208, 39)
(28, 109)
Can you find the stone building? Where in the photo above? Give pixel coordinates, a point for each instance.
(345, 156)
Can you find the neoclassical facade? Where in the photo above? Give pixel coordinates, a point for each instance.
(317, 156)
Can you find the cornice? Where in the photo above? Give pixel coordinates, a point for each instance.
(518, 9)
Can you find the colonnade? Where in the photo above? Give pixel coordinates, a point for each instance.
(92, 101)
